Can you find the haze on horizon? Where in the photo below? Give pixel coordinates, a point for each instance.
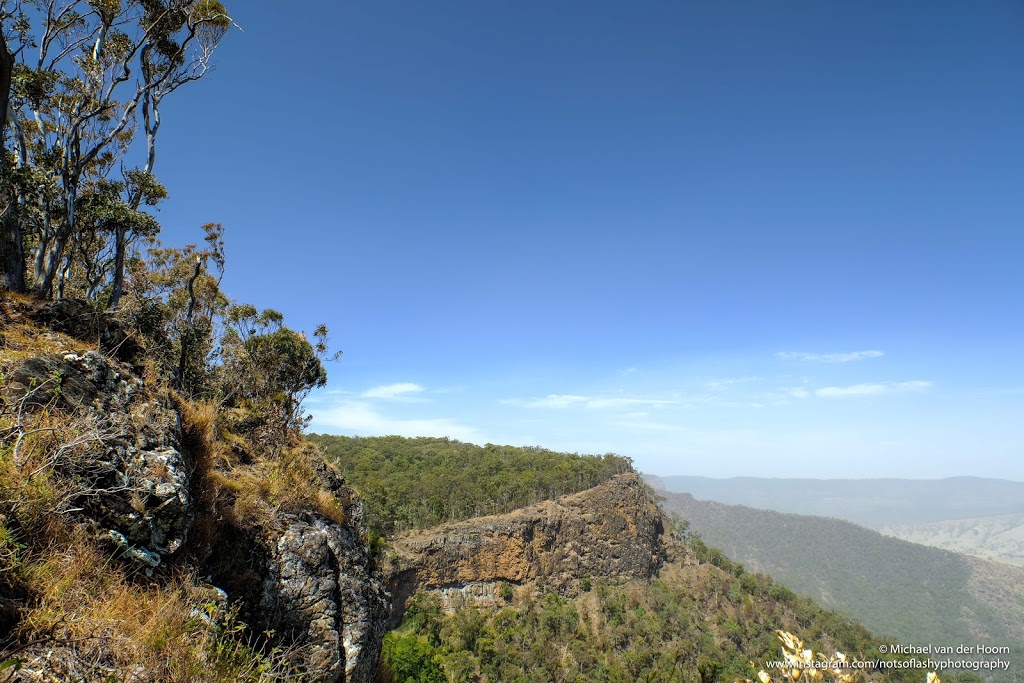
(730, 238)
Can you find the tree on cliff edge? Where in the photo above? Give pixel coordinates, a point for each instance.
(87, 77)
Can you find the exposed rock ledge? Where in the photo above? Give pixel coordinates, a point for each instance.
(614, 531)
(321, 591)
(308, 579)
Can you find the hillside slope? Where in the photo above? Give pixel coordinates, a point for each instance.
(149, 536)
(416, 483)
(873, 503)
(998, 538)
(915, 593)
(589, 587)
(579, 577)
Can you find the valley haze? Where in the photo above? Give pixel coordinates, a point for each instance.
(873, 503)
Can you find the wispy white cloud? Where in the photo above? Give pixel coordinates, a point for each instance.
(848, 357)
(600, 403)
(560, 401)
(393, 391)
(871, 389)
(722, 383)
(643, 425)
(362, 419)
(556, 401)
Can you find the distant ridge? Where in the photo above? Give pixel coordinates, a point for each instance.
(875, 503)
(997, 537)
(919, 594)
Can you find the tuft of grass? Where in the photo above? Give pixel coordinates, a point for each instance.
(115, 624)
(205, 453)
(21, 337)
(78, 613)
(288, 484)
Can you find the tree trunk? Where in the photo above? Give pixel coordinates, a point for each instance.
(6, 67)
(12, 255)
(51, 256)
(151, 124)
(120, 249)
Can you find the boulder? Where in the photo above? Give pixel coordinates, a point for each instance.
(123, 450)
(321, 591)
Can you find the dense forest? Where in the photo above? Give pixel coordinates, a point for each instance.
(422, 482)
(703, 618)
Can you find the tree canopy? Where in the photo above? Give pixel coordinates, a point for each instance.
(84, 81)
(421, 482)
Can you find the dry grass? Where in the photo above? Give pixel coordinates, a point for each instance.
(22, 338)
(83, 615)
(248, 491)
(31, 495)
(98, 617)
(112, 624)
(207, 453)
(287, 484)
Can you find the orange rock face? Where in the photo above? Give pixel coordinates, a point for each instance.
(614, 531)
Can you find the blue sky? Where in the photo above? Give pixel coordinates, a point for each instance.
(723, 238)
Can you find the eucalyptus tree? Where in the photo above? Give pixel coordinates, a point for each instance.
(88, 80)
(270, 369)
(12, 266)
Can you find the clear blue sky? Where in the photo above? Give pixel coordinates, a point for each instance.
(723, 238)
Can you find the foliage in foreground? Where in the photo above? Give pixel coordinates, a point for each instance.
(240, 411)
(803, 665)
(100, 618)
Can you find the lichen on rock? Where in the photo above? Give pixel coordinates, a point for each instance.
(124, 452)
(320, 590)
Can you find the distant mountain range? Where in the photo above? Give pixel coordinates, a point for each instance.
(999, 537)
(980, 517)
(874, 503)
(912, 592)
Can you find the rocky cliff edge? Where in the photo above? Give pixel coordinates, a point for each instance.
(614, 531)
(132, 474)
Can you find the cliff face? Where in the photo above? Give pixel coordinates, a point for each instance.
(320, 590)
(614, 531)
(123, 455)
(134, 481)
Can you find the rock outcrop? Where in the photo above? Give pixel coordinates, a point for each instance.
(133, 481)
(125, 455)
(320, 590)
(78, 318)
(614, 531)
